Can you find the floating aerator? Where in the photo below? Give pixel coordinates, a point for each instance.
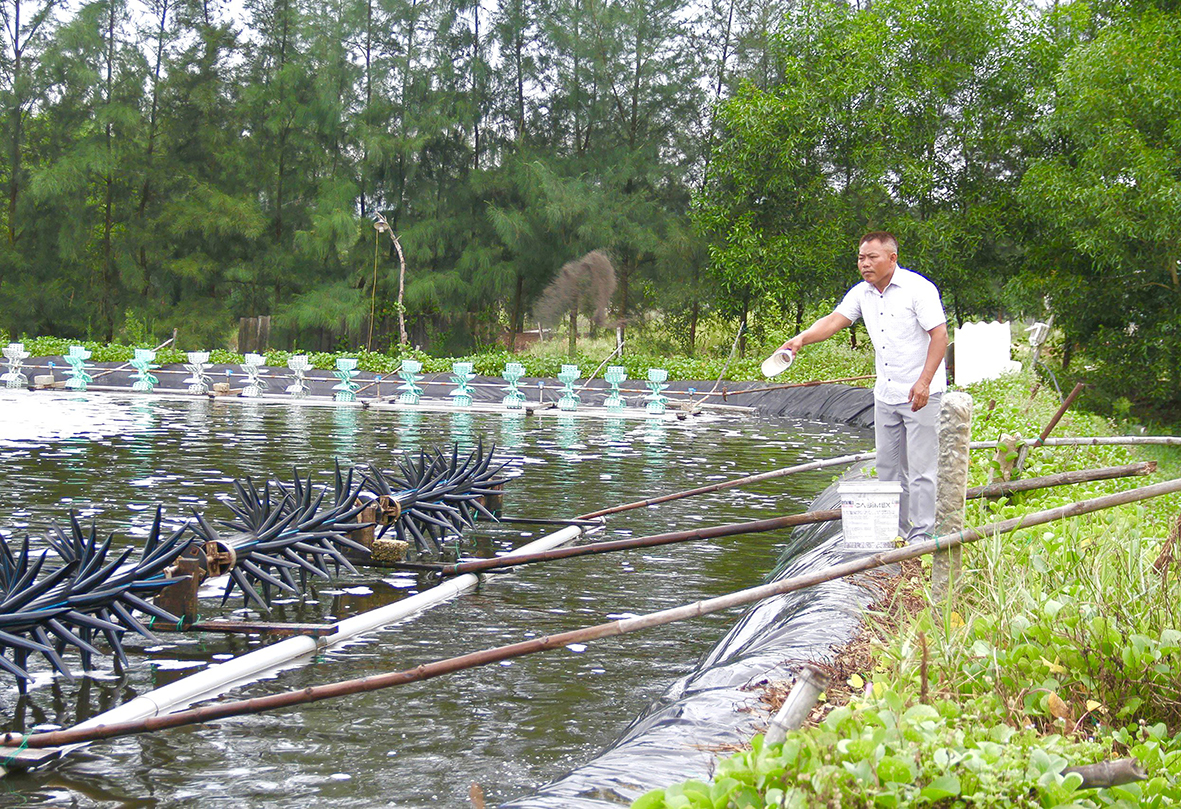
(78, 588)
(44, 606)
(280, 529)
(436, 497)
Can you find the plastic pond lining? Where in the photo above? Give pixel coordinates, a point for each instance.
(704, 715)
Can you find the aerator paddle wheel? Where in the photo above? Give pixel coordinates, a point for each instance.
(437, 497)
(282, 531)
(47, 604)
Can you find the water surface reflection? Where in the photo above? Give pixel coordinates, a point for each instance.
(509, 727)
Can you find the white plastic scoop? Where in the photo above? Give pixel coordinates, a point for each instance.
(778, 362)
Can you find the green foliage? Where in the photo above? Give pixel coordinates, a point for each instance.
(1107, 199)
(171, 167)
(905, 115)
(1060, 647)
(885, 752)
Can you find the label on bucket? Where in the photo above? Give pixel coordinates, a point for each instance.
(869, 514)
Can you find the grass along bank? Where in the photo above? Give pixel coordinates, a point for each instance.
(1061, 647)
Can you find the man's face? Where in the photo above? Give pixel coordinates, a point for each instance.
(875, 262)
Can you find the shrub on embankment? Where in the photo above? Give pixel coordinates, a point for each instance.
(1062, 647)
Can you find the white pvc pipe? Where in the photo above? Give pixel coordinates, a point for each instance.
(222, 677)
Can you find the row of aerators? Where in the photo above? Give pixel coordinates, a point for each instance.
(255, 382)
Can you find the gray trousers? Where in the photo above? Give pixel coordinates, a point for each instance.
(908, 451)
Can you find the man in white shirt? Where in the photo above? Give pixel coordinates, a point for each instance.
(905, 321)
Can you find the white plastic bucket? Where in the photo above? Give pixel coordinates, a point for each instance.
(869, 514)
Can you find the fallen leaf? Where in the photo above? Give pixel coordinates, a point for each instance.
(1054, 667)
(1057, 707)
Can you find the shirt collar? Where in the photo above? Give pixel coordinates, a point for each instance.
(900, 278)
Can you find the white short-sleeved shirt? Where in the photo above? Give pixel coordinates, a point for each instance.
(898, 321)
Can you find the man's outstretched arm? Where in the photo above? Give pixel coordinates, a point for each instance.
(822, 329)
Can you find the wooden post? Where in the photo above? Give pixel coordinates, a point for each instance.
(245, 336)
(364, 535)
(181, 599)
(951, 488)
(495, 502)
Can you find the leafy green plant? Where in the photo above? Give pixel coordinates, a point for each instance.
(885, 752)
(1062, 645)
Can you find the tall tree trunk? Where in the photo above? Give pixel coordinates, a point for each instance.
(107, 306)
(624, 290)
(576, 91)
(742, 322)
(16, 113)
(15, 123)
(408, 65)
(573, 329)
(146, 191)
(519, 48)
(516, 326)
(368, 103)
(281, 168)
(478, 101)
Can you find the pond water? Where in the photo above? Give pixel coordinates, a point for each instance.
(508, 727)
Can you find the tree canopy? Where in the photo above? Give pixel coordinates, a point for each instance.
(169, 164)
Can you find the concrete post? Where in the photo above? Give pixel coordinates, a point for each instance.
(955, 432)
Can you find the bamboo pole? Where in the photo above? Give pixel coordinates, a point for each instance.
(1023, 452)
(810, 384)
(729, 484)
(727, 530)
(624, 626)
(1005, 488)
(1098, 441)
(618, 349)
(1053, 422)
(1130, 440)
(757, 526)
(726, 364)
(128, 364)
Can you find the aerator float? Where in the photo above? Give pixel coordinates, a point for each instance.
(78, 588)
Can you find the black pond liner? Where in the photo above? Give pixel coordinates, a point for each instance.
(703, 715)
(842, 404)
